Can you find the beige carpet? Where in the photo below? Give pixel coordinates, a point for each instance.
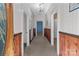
(40, 47)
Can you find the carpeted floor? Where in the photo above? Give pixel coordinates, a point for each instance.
(40, 47)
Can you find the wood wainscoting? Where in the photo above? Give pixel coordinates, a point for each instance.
(69, 44)
(17, 44)
(47, 33)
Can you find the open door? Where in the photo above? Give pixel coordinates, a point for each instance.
(9, 45)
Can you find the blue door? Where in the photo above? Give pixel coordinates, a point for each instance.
(39, 26)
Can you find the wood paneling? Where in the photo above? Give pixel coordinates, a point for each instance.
(17, 44)
(69, 44)
(9, 45)
(47, 33)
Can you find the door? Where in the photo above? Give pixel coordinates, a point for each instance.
(9, 45)
(39, 26)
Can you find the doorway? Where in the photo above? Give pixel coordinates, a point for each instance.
(39, 27)
(55, 30)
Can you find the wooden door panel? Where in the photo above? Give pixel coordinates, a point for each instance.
(9, 45)
(17, 44)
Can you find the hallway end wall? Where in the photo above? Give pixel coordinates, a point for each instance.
(39, 18)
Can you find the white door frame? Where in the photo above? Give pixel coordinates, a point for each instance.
(36, 27)
(27, 31)
(28, 41)
(22, 45)
(52, 30)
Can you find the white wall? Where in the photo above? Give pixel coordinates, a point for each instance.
(18, 10)
(69, 21)
(52, 8)
(48, 19)
(39, 18)
(18, 17)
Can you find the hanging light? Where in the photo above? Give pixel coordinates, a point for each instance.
(41, 7)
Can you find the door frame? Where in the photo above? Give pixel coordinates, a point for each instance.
(36, 27)
(52, 27)
(9, 44)
(27, 22)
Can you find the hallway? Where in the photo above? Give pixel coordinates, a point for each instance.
(40, 47)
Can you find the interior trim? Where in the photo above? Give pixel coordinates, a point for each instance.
(17, 34)
(77, 36)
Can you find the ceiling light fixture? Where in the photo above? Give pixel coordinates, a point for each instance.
(41, 7)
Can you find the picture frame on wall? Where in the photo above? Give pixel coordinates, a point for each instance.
(73, 6)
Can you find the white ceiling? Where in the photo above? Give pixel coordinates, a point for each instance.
(35, 7)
